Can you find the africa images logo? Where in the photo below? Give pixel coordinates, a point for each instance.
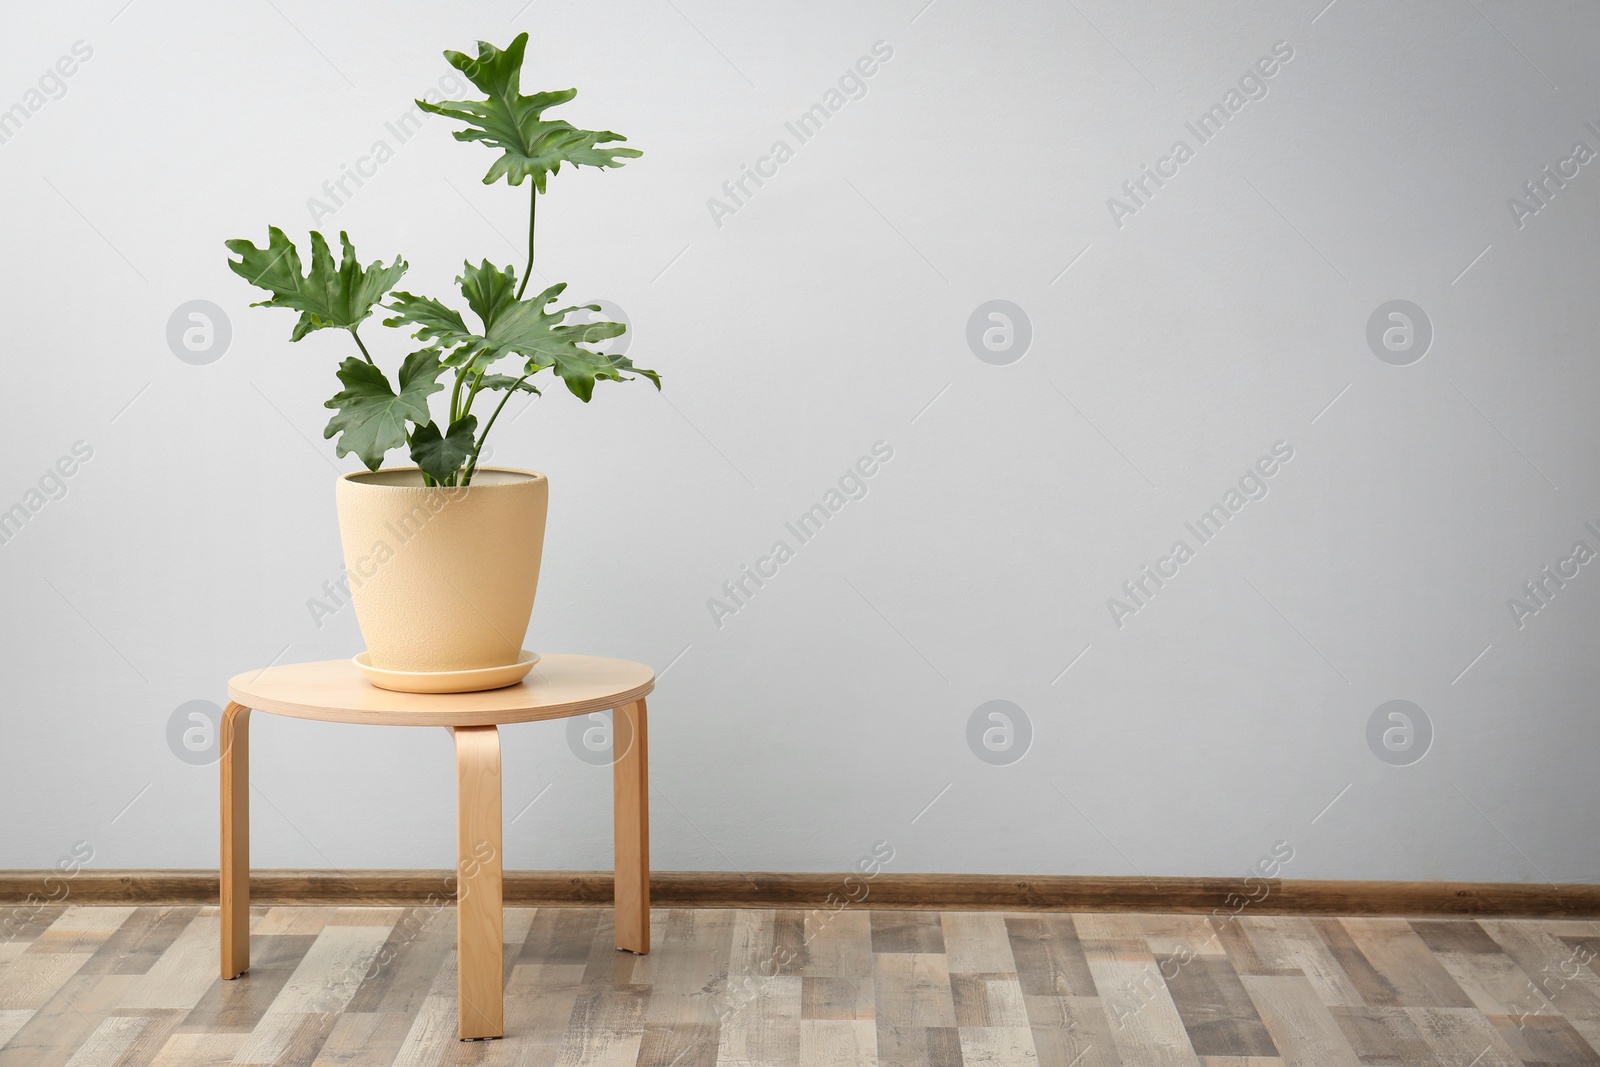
(739, 591)
(1139, 590)
(851, 85)
(1251, 85)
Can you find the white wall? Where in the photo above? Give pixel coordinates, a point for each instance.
(828, 313)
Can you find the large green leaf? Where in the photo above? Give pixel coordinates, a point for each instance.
(531, 145)
(517, 327)
(441, 326)
(510, 326)
(441, 455)
(328, 296)
(528, 328)
(372, 416)
(488, 289)
(582, 368)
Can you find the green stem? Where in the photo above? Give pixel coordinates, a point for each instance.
(458, 410)
(455, 392)
(364, 353)
(533, 208)
(472, 464)
(472, 393)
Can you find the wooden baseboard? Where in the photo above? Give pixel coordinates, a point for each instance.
(710, 889)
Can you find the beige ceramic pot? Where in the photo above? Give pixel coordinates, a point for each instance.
(443, 578)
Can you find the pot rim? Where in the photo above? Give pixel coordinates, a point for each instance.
(363, 478)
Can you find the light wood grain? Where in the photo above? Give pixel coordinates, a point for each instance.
(234, 743)
(1406, 963)
(997, 1046)
(68, 1019)
(1187, 935)
(479, 917)
(335, 691)
(270, 1040)
(933, 1046)
(363, 1039)
(198, 1050)
(185, 971)
(1549, 964)
(836, 997)
(78, 927)
(978, 943)
(1296, 940)
(907, 931)
(912, 990)
(109, 1042)
(605, 1027)
(838, 1043)
(1494, 983)
(1072, 1032)
(1216, 1010)
(1382, 1035)
(12, 1020)
(1302, 1027)
(682, 1023)
(1145, 1024)
(838, 943)
(29, 982)
(988, 1000)
(767, 1030)
(1049, 957)
(432, 1033)
(1459, 1035)
(1537, 1039)
(540, 1002)
(631, 815)
(378, 987)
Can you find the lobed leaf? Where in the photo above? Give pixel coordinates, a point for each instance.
(435, 323)
(372, 417)
(441, 455)
(517, 327)
(339, 296)
(531, 146)
(488, 289)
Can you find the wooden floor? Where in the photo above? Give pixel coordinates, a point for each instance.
(109, 987)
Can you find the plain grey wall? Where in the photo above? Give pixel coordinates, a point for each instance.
(1177, 336)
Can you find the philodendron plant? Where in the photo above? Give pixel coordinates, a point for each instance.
(375, 415)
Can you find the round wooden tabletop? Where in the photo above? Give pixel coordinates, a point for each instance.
(336, 691)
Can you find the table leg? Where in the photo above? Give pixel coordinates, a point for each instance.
(631, 804)
(479, 921)
(234, 743)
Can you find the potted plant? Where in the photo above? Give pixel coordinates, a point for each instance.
(443, 557)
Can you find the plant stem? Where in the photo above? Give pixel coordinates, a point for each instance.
(455, 392)
(533, 208)
(472, 464)
(364, 353)
(459, 410)
(472, 393)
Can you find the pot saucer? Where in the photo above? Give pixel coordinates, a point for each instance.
(469, 681)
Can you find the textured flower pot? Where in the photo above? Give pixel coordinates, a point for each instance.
(442, 578)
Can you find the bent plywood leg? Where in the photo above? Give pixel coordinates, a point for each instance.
(479, 923)
(631, 800)
(234, 743)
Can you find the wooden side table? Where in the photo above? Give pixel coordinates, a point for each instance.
(560, 686)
